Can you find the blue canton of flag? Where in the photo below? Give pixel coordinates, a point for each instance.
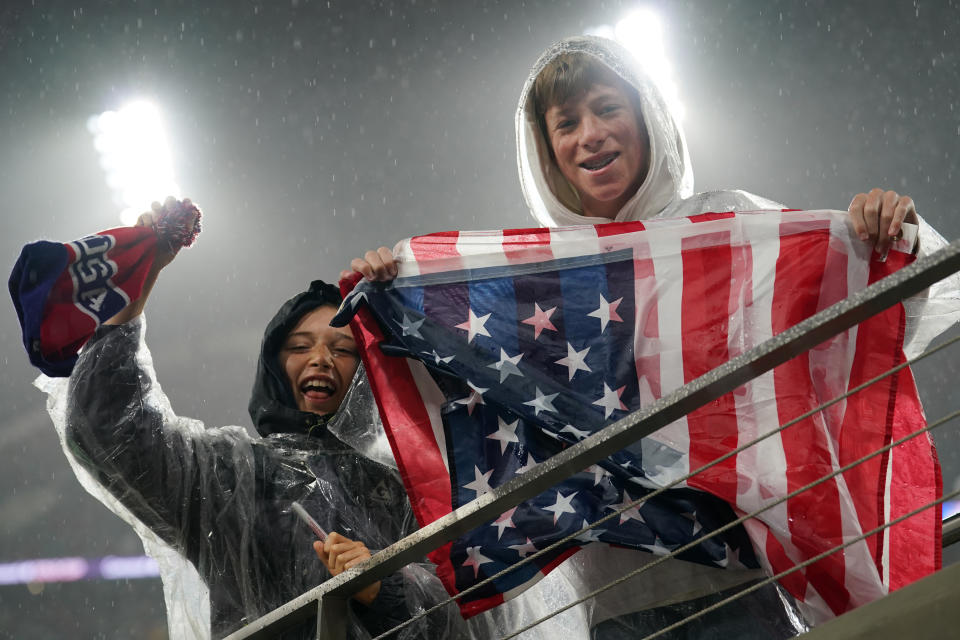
(530, 362)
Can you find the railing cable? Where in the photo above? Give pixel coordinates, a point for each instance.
(742, 519)
(681, 480)
(798, 567)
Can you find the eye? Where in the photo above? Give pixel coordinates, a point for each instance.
(565, 124)
(345, 352)
(609, 108)
(300, 347)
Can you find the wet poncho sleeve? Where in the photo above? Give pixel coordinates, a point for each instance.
(147, 461)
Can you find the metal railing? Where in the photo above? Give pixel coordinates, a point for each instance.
(329, 600)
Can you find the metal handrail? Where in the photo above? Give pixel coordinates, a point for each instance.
(333, 594)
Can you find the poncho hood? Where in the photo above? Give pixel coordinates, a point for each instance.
(551, 198)
(272, 407)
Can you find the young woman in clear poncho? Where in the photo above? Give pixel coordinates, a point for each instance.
(597, 142)
(213, 506)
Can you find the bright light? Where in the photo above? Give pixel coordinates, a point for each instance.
(641, 33)
(135, 156)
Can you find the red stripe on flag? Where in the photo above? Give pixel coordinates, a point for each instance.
(707, 275)
(522, 243)
(404, 418)
(620, 228)
(707, 217)
(915, 544)
(430, 249)
(796, 582)
(814, 515)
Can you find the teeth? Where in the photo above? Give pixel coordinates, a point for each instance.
(593, 166)
(317, 386)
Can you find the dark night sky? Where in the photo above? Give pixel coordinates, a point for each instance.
(309, 131)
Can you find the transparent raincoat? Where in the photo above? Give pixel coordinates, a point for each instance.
(213, 506)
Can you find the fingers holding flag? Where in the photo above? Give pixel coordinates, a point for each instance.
(378, 265)
(877, 217)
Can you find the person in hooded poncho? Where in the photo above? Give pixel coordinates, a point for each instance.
(597, 142)
(557, 87)
(213, 506)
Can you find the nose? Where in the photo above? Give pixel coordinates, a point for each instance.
(592, 132)
(321, 356)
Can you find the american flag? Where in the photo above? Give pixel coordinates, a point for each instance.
(492, 351)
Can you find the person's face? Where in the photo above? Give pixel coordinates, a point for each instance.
(600, 147)
(319, 361)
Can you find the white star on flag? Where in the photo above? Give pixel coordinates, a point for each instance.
(731, 560)
(475, 559)
(590, 535)
(611, 400)
(632, 513)
(507, 365)
(574, 361)
(505, 521)
(658, 548)
(692, 516)
(529, 464)
(579, 434)
(474, 325)
(524, 549)
(561, 506)
(481, 482)
(505, 433)
(475, 397)
(599, 473)
(542, 402)
(437, 358)
(606, 312)
(540, 320)
(410, 327)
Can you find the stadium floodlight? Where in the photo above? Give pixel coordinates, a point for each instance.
(641, 33)
(135, 156)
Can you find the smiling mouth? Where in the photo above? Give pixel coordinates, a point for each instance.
(317, 390)
(595, 164)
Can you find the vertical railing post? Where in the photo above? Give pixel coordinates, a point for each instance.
(331, 617)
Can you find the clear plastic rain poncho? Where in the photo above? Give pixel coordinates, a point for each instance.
(213, 506)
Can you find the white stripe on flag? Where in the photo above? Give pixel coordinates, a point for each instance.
(766, 461)
(668, 267)
(433, 401)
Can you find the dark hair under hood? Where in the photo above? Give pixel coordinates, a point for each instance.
(272, 407)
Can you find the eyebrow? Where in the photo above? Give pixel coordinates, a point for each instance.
(606, 95)
(307, 334)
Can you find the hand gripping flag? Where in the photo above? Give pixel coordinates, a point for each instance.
(515, 344)
(64, 291)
